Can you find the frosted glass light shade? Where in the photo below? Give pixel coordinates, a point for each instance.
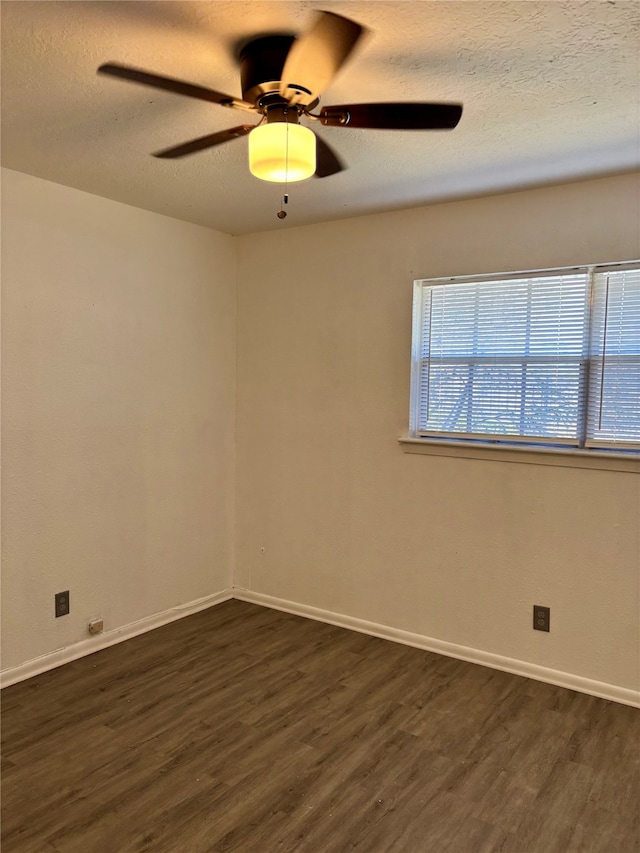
(273, 157)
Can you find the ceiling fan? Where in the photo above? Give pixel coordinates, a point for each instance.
(282, 78)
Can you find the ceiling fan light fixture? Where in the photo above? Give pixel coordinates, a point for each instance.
(282, 151)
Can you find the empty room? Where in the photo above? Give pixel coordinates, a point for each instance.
(320, 427)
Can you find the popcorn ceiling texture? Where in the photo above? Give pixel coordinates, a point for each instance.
(550, 91)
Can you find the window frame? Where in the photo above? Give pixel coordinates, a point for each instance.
(583, 447)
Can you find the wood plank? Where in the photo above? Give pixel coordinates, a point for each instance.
(248, 730)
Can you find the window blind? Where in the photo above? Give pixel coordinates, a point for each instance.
(540, 357)
(613, 417)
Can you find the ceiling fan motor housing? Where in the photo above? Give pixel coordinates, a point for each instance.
(261, 65)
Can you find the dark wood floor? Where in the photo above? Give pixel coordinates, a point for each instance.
(245, 729)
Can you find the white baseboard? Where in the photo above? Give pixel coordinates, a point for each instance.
(141, 626)
(512, 665)
(108, 638)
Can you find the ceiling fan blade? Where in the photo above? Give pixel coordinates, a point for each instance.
(170, 84)
(316, 57)
(327, 161)
(403, 116)
(204, 142)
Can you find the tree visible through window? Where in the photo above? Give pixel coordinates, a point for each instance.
(550, 356)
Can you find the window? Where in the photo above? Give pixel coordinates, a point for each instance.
(549, 357)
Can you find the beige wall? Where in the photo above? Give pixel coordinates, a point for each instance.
(454, 549)
(118, 429)
(118, 413)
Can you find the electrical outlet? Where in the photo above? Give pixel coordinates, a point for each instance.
(62, 603)
(541, 617)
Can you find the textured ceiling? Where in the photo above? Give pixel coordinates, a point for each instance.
(550, 93)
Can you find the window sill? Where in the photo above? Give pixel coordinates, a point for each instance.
(488, 451)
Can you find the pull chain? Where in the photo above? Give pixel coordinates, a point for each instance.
(282, 214)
